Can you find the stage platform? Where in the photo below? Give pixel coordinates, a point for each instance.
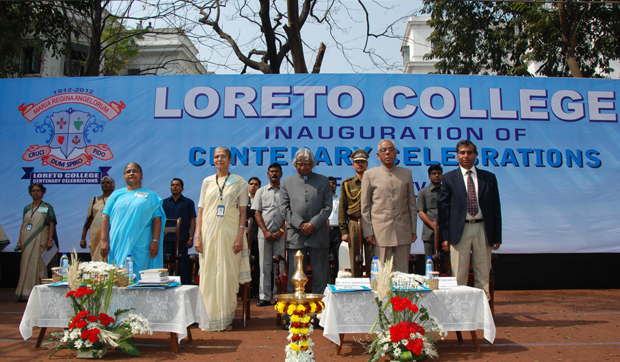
(542, 325)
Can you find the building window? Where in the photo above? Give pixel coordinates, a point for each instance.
(31, 58)
(406, 53)
(79, 54)
(135, 71)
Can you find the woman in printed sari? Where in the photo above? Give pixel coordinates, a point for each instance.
(131, 224)
(36, 235)
(93, 220)
(221, 242)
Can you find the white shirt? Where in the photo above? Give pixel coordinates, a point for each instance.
(333, 218)
(474, 177)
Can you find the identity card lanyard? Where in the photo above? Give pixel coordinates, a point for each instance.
(32, 211)
(220, 208)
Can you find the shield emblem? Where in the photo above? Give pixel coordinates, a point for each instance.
(69, 130)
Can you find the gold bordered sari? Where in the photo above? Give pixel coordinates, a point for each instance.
(221, 270)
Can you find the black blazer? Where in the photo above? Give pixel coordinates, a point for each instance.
(452, 206)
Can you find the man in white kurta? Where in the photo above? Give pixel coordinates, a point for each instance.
(389, 214)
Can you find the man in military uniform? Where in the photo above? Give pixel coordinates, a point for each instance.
(349, 213)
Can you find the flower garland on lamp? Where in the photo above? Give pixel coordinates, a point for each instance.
(91, 330)
(299, 306)
(300, 347)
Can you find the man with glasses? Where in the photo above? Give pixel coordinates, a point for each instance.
(389, 214)
(350, 211)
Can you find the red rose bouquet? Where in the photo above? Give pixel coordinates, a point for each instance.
(92, 330)
(407, 332)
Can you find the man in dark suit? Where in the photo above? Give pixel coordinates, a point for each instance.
(470, 217)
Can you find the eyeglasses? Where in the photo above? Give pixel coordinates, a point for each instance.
(127, 172)
(389, 149)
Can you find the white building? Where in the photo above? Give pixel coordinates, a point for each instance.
(416, 44)
(163, 52)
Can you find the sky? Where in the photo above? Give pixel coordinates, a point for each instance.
(345, 57)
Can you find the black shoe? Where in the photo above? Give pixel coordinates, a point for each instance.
(286, 325)
(263, 303)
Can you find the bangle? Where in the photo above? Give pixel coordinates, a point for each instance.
(281, 230)
(155, 241)
(191, 238)
(241, 226)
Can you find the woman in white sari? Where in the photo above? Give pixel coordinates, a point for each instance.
(221, 242)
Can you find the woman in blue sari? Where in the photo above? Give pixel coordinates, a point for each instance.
(131, 224)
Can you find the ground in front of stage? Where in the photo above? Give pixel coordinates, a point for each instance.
(551, 325)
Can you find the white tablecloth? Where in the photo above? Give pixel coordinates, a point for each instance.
(170, 310)
(455, 309)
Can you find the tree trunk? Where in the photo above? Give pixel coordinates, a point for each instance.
(93, 60)
(566, 12)
(294, 37)
(319, 59)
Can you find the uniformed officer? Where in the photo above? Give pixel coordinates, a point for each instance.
(350, 211)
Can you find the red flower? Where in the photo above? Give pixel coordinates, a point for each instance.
(85, 334)
(81, 289)
(415, 346)
(396, 333)
(400, 304)
(71, 292)
(95, 331)
(105, 319)
(72, 325)
(81, 324)
(91, 318)
(89, 291)
(413, 308)
(82, 314)
(93, 338)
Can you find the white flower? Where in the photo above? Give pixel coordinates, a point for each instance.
(92, 325)
(78, 344)
(75, 333)
(396, 352)
(88, 344)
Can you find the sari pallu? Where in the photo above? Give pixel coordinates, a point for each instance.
(34, 242)
(221, 270)
(131, 219)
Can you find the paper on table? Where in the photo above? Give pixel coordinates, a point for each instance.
(353, 281)
(48, 255)
(349, 288)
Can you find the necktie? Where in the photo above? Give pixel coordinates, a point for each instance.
(472, 202)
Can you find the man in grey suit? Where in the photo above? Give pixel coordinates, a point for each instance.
(306, 206)
(389, 215)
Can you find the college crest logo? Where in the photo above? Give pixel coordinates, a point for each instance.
(68, 144)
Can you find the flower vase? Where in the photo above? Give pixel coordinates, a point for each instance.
(91, 353)
(408, 356)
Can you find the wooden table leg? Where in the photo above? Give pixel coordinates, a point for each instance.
(189, 334)
(459, 336)
(339, 348)
(41, 335)
(474, 338)
(174, 338)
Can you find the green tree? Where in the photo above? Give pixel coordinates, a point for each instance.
(567, 38)
(23, 23)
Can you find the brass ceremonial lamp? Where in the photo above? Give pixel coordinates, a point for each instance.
(299, 306)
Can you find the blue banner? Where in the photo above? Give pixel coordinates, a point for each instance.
(553, 143)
